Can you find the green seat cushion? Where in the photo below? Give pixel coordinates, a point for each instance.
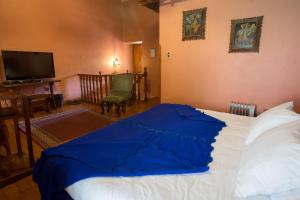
(126, 95)
(113, 99)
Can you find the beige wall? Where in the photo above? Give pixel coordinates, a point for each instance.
(204, 74)
(84, 35)
(142, 24)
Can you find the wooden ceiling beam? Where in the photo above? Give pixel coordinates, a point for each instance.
(152, 4)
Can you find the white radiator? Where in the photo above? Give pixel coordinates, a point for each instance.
(242, 109)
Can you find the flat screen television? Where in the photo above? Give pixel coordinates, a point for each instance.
(22, 65)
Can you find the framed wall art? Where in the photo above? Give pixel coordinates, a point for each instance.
(245, 34)
(193, 25)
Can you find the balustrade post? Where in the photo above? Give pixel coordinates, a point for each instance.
(145, 84)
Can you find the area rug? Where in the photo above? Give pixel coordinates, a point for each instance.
(52, 130)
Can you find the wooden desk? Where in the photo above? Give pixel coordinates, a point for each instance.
(14, 86)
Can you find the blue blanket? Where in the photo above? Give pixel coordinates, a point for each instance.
(167, 139)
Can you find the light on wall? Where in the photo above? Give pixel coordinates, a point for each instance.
(116, 63)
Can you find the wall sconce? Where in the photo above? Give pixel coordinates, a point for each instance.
(116, 63)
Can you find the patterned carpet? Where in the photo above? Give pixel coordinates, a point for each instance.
(54, 129)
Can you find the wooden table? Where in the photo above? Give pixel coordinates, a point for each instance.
(18, 166)
(14, 86)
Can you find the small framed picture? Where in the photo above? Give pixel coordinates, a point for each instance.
(245, 35)
(193, 25)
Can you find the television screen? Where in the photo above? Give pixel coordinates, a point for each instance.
(21, 65)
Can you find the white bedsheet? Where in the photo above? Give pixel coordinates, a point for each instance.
(216, 184)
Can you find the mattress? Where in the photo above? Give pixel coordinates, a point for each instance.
(216, 184)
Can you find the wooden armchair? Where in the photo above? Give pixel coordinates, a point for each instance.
(122, 85)
(121, 92)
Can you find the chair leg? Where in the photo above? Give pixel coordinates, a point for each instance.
(109, 106)
(118, 109)
(130, 102)
(124, 106)
(18, 137)
(102, 108)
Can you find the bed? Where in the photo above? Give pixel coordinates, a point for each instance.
(218, 183)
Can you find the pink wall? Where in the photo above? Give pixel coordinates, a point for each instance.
(141, 24)
(204, 74)
(83, 35)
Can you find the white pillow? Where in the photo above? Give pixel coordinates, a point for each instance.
(288, 105)
(271, 164)
(271, 118)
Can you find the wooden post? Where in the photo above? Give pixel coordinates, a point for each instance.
(97, 89)
(106, 87)
(81, 86)
(94, 89)
(26, 114)
(110, 82)
(5, 137)
(85, 88)
(52, 94)
(101, 90)
(139, 87)
(16, 127)
(134, 86)
(145, 84)
(90, 89)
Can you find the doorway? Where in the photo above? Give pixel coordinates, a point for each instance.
(137, 58)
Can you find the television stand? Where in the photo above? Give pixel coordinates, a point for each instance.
(34, 81)
(25, 81)
(14, 86)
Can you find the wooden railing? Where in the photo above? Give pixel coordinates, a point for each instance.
(95, 87)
